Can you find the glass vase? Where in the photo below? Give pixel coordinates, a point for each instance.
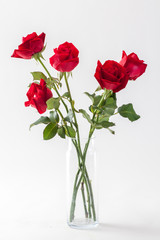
(81, 185)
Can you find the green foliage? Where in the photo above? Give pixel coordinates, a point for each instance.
(53, 103)
(103, 118)
(94, 109)
(109, 107)
(50, 131)
(61, 132)
(105, 124)
(38, 76)
(97, 100)
(65, 95)
(94, 98)
(128, 111)
(111, 131)
(53, 81)
(85, 115)
(54, 117)
(102, 110)
(91, 96)
(69, 116)
(70, 132)
(44, 120)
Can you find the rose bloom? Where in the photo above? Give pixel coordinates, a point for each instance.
(111, 75)
(134, 66)
(31, 44)
(65, 58)
(37, 95)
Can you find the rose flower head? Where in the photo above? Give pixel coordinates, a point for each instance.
(111, 75)
(38, 94)
(134, 66)
(31, 44)
(65, 57)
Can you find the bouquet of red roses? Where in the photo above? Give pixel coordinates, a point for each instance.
(43, 94)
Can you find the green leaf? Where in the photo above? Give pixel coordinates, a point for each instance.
(103, 118)
(61, 132)
(107, 124)
(50, 131)
(54, 117)
(111, 131)
(52, 81)
(97, 100)
(42, 119)
(38, 76)
(91, 96)
(94, 108)
(66, 95)
(70, 132)
(86, 115)
(104, 124)
(53, 103)
(69, 116)
(127, 111)
(109, 106)
(111, 103)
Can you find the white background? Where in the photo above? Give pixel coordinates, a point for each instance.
(32, 171)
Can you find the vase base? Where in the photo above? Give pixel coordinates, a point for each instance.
(83, 224)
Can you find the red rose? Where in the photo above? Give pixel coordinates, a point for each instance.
(30, 45)
(65, 58)
(134, 67)
(37, 95)
(111, 75)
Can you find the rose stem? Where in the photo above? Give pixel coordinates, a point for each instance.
(78, 136)
(74, 115)
(84, 199)
(53, 83)
(105, 95)
(75, 190)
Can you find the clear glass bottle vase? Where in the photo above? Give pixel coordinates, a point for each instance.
(81, 185)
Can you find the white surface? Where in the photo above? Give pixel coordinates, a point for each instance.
(32, 172)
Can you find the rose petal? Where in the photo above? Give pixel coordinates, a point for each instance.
(36, 45)
(124, 58)
(29, 37)
(42, 36)
(25, 54)
(67, 66)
